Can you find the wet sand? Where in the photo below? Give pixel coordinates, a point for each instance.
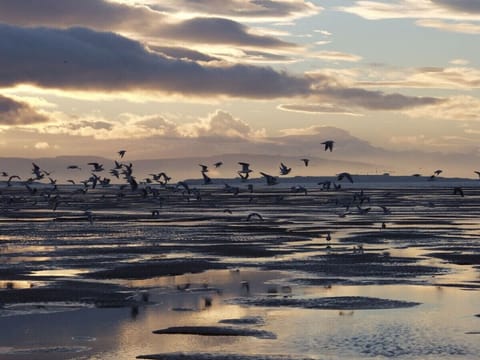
(198, 259)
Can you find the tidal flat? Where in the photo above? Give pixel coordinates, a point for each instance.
(366, 271)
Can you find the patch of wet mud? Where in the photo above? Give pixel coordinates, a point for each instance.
(216, 356)
(327, 303)
(149, 269)
(216, 331)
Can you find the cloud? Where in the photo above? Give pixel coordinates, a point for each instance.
(254, 10)
(460, 27)
(82, 59)
(456, 108)
(318, 109)
(182, 53)
(219, 124)
(13, 113)
(463, 6)
(42, 145)
(336, 56)
(133, 19)
(416, 9)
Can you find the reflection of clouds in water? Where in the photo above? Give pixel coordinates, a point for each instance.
(399, 339)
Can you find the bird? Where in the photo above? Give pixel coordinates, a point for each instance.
(346, 175)
(328, 145)
(96, 166)
(204, 168)
(478, 173)
(218, 164)
(305, 161)
(245, 167)
(256, 215)
(458, 191)
(122, 153)
(284, 170)
(271, 180)
(243, 176)
(206, 179)
(71, 167)
(437, 172)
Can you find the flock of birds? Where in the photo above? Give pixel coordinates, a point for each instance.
(124, 171)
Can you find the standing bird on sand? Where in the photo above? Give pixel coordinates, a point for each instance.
(305, 161)
(328, 145)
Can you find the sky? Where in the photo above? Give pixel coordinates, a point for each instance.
(395, 82)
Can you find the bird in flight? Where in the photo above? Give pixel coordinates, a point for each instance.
(122, 153)
(204, 168)
(218, 164)
(284, 170)
(305, 161)
(271, 180)
(345, 175)
(96, 166)
(245, 167)
(328, 145)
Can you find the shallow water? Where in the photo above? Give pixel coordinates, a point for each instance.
(264, 259)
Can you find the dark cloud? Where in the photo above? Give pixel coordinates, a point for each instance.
(83, 59)
(376, 100)
(79, 58)
(219, 31)
(106, 16)
(465, 6)
(182, 53)
(13, 112)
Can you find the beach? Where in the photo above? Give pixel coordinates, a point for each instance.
(383, 267)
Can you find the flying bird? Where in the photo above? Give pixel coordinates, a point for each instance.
(478, 173)
(458, 191)
(437, 172)
(345, 175)
(245, 167)
(204, 168)
(206, 179)
(305, 161)
(96, 166)
(218, 164)
(284, 170)
(328, 145)
(256, 215)
(122, 153)
(271, 180)
(72, 167)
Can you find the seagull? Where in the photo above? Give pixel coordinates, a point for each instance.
(271, 180)
(245, 167)
(478, 173)
(218, 164)
(206, 179)
(96, 166)
(284, 170)
(243, 176)
(458, 191)
(346, 175)
(204, 168)
(254, 214)
(328, 145)
(305, 161)
(122, 153)
(437, 172)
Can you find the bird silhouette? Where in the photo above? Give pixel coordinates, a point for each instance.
(328, 145)
(284, 170)
(122, 153)
(271, 180)
(218, 164)
(254, 215)
(345, 175)
(305, 161)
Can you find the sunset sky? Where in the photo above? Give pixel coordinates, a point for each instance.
(176, 78)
